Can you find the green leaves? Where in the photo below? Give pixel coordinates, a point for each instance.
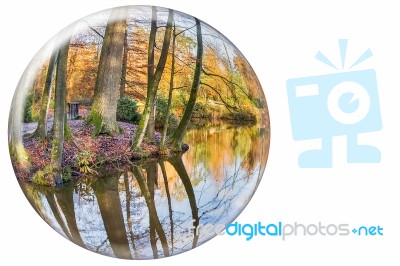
(127, 110)
(84, 161)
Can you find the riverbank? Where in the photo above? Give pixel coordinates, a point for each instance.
(84, 152)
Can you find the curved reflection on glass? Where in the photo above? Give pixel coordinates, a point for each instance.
(152, 209)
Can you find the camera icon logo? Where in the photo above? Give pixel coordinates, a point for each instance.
(344, 103)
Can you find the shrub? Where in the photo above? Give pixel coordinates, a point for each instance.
(28, 109)
(202, 110)
(161, 110)
(84, 161)
(243, 116)
(127, 110)
(44, 177)
(67, 174)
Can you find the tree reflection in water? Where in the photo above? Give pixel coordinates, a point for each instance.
(149, 210)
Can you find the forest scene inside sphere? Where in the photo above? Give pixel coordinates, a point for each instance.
(133, 127)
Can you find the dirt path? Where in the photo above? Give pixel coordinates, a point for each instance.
(31, 127)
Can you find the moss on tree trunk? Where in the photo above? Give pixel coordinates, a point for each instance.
(19, 155)
(59, 113)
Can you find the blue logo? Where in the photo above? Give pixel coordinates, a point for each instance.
(343, 103)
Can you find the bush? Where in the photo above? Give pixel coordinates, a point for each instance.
(44, 177)
(84, 161)
(202, 110)
(127, 110)
(67, 174)
(243, 116)
(28, 109)
(161, 110)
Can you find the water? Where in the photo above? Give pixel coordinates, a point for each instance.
(149, 209)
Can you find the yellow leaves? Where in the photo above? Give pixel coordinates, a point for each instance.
(84, 161)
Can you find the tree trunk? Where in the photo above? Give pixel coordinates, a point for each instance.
(67, 129)
(151, 131)
(103, 114)
(153, 80)
(19, 155)
(59, 112)
(41, 130)
(171, 88)
(179, 134)
(124, 62)
(150, 70)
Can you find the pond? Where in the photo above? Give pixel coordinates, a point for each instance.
(152, 210)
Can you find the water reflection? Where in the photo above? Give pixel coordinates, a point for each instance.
(148, 210)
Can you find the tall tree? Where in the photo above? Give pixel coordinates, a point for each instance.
(153, 80)
(59, 111)
(103, 114)
(124, 65)
(171, 88)
(41, 130)
(150, 69)
(179, 134)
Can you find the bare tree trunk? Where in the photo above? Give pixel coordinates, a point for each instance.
(150, 70)
(124, 62)
(41, 130)
(179, 134)
(103, 114)
(59, 112)
(153, 81)
(171, 88)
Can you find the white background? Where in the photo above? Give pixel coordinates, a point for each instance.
(280, 40)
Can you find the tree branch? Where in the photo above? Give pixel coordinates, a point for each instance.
(93, 29)
(226, 81)
(185, 30)
(227, 105)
